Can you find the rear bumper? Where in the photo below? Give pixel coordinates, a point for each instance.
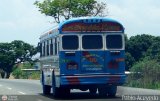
(92, 80)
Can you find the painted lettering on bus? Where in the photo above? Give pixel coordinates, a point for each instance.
(83, 27)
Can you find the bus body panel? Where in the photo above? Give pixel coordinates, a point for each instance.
(93, 68)
(48, 66)
(92, 62)
(114, 62)
(70, 62)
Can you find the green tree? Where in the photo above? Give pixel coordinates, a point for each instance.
(138, 45)
(7, 57)
(23, 51)
(66, 9)
(14, 53)
(129, 60)
(154, 50)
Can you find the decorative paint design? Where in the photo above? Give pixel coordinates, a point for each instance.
(91, 57)
(65, 60)
(92, 61)
(91, 27)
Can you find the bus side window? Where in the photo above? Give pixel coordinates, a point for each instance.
(43, 52)
(51, 47)
(55, 44)
(58, 45)
(47, 47)
(40, 48)
(53, 40)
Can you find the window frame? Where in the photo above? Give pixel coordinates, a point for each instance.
(123, 42)
(61, 42)
(92, 35)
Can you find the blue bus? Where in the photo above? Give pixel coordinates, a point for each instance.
(83, 53)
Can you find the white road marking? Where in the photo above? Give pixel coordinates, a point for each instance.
(9, 88)
(21, 92)
(0, 85)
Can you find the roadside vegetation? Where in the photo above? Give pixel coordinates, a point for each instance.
(143, 61)
(14, 53)
(18, 73)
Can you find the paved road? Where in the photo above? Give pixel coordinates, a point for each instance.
(30, 90)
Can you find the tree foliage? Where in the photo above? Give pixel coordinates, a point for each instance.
(14, 53)
(129, 61)
(66, 9)
(145, 74)
(143, 60)
(154, 50)
(138, 45)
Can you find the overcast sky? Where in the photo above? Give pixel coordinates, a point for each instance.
(21, 20)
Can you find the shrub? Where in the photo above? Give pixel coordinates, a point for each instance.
(17, 73)
(145, 74)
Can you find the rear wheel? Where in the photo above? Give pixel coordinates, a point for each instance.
(61, 91)
(46, 88)
(56, 90)
(112, 91)
(93, 90)
(102, 91)
(65, 92)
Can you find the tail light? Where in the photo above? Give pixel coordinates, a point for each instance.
(72, 66)
(113, 64)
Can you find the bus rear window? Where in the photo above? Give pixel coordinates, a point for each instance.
(92, 42)
(70, 42)
(114, 41)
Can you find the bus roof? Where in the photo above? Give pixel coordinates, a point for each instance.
(90, 20)
(85, 20)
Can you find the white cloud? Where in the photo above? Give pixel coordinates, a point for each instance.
(138, 17)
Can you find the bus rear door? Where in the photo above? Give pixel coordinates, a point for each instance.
(92, 55)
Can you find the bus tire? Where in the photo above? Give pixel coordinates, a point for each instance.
(93, 90)
(112, 91)
(46, 88)
(102, 91)
(56, 90)
(65, 92)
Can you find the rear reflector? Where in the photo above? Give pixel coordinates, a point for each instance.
(119, 59)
